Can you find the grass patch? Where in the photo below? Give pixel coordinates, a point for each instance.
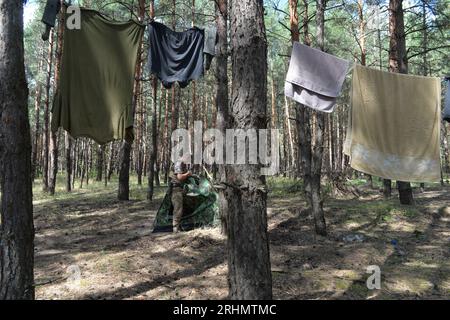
(280, 186)
(95, 189)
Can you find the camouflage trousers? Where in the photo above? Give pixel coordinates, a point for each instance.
(177, 202)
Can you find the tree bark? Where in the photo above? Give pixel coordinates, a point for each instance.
(398, 63)
(37, 120)
(124, 174)
(100, 162)
(68, 151)
(53, 165)
(154, 124)
(46, 133)
(248, 245)
(16, 208)
(302, 113)
(289, 134)
(222, 120)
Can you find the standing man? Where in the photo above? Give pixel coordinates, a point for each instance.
(181, 174)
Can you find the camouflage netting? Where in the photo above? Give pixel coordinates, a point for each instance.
(201, 207)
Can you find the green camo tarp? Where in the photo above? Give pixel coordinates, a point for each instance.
(200, 207)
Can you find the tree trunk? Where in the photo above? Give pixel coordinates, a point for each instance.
(124, 175)
(289, 134)
(154, 124)
(112, 157)
(46, 134)
(398, 63)
(302, 113)
(16, 208)
(164, 155)
(100, 162)
(53, 165)
(37, 121)
(154, 142)
(248, 245)
(222, 120)
(68, 150)
(445, 143)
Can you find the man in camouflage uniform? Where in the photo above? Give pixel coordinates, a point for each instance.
(178, 179)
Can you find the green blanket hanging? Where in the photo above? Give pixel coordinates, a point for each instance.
(200, 207)
(97, 77)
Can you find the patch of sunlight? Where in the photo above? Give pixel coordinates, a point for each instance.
(102, 265)
(405, 211)
(342, 284)
(421, 264)
(352, 225)
(347, 274)
(402, 227)
(409, 283)
(446, 286)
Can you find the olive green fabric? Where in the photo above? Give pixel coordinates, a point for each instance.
(97, 78)
(200, 207)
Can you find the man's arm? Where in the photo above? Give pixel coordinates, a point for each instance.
(183, 176)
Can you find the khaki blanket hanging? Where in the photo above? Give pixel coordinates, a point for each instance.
(394, 125)
(97, 76)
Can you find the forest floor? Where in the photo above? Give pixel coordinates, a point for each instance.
(110, 246)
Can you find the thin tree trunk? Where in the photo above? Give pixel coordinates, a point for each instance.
(445, 143)
(68, 150)
(290, 134)
(46, 133)
(154, 144)
(273, 118)
(100, 162)
(53, 165)
(302, 113)
(37, 121)
(317, 151)
(112, 157)
(16, 207)
(164, 155)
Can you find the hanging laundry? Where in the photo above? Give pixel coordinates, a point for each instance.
(394, 125)
(52, 7)
(175, 56)
(210, 45)
(447, 101)
(97, 77)
(315, 78)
